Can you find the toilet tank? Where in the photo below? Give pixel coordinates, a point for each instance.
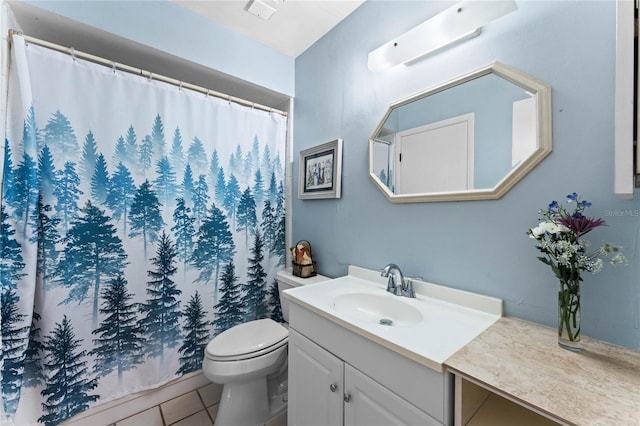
(287, 280)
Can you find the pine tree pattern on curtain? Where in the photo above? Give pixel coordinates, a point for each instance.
(138, 220)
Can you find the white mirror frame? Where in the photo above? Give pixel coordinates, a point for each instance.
(542, 92)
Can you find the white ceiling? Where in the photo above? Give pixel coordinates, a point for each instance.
(293, 28)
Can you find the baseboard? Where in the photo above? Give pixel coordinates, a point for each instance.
(111, 412)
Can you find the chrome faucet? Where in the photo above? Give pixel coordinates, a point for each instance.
(397, 284)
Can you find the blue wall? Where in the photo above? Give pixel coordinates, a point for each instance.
(479, 246)
(180, 32)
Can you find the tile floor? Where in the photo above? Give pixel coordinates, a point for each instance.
(195, 408)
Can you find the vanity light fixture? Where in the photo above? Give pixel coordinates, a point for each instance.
(455, 24)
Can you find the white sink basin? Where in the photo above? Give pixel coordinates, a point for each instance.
(384, 309)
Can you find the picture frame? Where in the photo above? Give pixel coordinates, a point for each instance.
(320, 171)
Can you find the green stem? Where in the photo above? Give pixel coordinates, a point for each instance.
(569, 305)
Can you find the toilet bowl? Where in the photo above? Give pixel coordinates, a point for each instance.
(250, 362)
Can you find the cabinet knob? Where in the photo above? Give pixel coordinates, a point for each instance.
(333, 387)
(347, 397)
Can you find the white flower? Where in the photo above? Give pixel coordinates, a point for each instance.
(584, 262)
(619, 259)
(596, 266)
(539, 230)
(545, 245)
(547, 228)
(608, 249)
(566, 246)
(557, 228)
(563, 259)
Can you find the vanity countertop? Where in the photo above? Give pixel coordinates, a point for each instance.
(452, 317)
(600, 385)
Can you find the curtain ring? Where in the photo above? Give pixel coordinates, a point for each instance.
(206, 95)
(113, 67)
(150, 77)
(72, 52)
(180, 87)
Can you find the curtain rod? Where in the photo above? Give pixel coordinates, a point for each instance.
(148, 74)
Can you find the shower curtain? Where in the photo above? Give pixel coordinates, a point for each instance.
(138, 220)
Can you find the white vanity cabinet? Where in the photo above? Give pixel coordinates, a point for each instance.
(316, 380)
(368, 403)
(324, 390)
(337, 377)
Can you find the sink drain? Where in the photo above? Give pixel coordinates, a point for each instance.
(386, 321)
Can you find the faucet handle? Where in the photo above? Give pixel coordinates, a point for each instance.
(408, 290)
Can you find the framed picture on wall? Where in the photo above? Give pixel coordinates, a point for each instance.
(320, 171)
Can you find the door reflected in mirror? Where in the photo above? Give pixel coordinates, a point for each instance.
(471, 138)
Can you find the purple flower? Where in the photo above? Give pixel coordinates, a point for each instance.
(572, 197)
(553, 205)
(580, 224)
(584, 204)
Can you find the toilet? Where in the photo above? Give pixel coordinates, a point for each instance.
(250, 362)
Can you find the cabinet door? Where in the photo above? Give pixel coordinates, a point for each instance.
(315, 384)
(368, 403)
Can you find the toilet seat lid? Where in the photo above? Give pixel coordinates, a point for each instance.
(246, 338)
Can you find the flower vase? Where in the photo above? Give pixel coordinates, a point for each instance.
(569, 315)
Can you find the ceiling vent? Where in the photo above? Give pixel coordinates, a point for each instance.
(261, 9)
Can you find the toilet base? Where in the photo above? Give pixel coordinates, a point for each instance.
(243, 404)
(253, 402)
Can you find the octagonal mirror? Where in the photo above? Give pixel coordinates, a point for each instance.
(472, 138)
